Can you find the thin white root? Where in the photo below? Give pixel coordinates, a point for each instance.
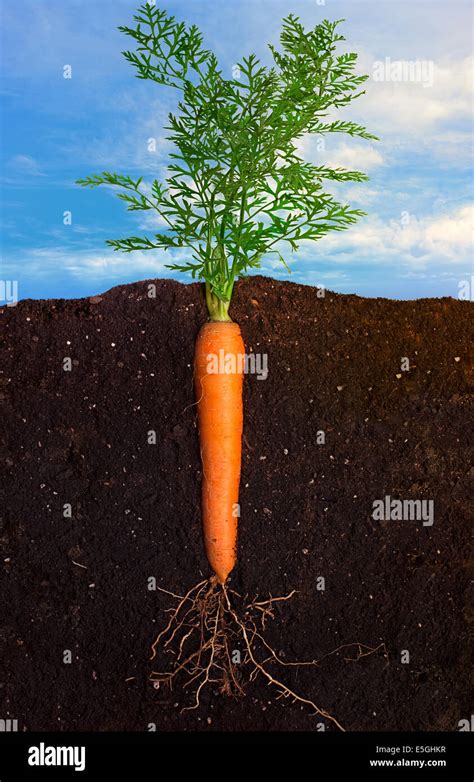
(198, 635)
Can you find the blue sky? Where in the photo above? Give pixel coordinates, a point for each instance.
(417, 238)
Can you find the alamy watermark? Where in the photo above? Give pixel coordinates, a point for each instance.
(466, 289)
(9, 292)
(44, 755)
(8, 726)
(421, 71)
(223, 363)
(388, 509)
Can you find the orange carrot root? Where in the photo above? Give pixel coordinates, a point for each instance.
(218, 376)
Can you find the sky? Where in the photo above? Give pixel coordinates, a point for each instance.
(416, 240)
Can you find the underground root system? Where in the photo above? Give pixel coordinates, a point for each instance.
(205, 629)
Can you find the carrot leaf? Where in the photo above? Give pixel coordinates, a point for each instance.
(238, 188)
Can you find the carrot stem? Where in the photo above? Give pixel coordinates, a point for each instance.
(218, 309)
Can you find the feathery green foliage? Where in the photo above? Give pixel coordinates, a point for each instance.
(237, 187)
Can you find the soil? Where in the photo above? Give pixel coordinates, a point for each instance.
(80, 437)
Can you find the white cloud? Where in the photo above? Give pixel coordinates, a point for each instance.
(361, 195)
(152, 221)
(452, 232)
(452, 148)
(408, 107)
(360, 158)
(25, 165)
(418, 245)
(89, 265)
(405, 115)
(139, 146)
(447, 237)
(355, 155)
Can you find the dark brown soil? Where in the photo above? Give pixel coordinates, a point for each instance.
(80, 437)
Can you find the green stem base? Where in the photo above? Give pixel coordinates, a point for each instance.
(218, 309)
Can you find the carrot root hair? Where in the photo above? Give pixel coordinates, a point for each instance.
(202, 633)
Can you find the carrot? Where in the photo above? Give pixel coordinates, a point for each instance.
(236, 191)
(219, 346)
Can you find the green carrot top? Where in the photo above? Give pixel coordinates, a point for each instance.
(237, 187)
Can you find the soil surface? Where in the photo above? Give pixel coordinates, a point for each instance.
(336, 365)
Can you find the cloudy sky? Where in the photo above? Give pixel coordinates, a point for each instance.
(416, 240)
